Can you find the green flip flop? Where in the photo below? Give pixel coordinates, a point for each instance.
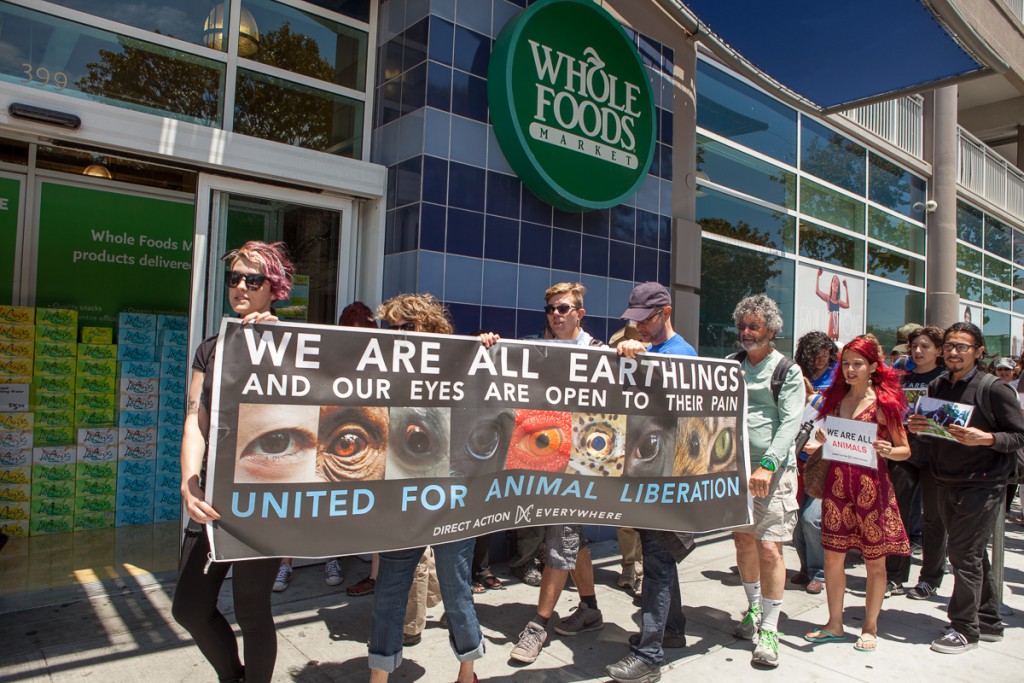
(820, 635)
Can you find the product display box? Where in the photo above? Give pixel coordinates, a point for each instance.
(138, 370)
(168, 449)
(140, 387)
(17, 315)
(15, 528)
(54, 367)
(138, 418)
(136, 468)
(97, 368)
(174, 405)
(96, 487)
(136, 352)
(53, 333)
(15, 475)
(95, 385)
(90, 401)
(173, 338)
(138, 402)
(95, 417)
(54, 455)
(97, 351)
(53, 507)
(97, 470)
(39, 526)
(97, 335)
(54, 418)
(136, 451)
(53, 489)
(53, 384)
(172, 323)
(53, 436)
(16, 421)
(133, 516)
(90, 453)
(166, 513)
(137, 435)
(131, 337)
(17, 333)
(48, 349)
(94, 520)
(169, 466)
(173, 386)
(17, 349)
(15, 492)
(170, 434)
(168, 482)
(57, 317)
(10, 510)
(22, 458)
(95, 503)
(130, 484)
(15, 379)
(15, 440)
(166, 497)
(173, 354)
(140, 499)
(42, 400)
(61, 472)
(17, 367)
(98, 436)
(127, 320)
(173, 369)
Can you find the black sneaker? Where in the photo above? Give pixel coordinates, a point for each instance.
(952, 643)
(991, 635)
(633, 669)
(922, 591)
(671, 641)
(582, 618)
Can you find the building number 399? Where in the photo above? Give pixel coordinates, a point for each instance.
(43, 77)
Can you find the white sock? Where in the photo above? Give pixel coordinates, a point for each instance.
(770, 618)
(753, 591)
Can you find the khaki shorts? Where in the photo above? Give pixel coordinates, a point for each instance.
(775, 515)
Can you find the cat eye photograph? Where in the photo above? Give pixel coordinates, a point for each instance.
(705, 445)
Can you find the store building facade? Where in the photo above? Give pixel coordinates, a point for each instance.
(139, 141)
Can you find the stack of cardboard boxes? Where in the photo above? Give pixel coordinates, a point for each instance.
(172, 335)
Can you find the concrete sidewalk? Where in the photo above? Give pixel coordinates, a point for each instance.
(121, 630)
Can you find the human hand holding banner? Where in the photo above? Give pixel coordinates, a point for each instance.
(330, 441)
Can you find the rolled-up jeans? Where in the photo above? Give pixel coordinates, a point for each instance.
(807, 539)
(660, 602)
(394, 577)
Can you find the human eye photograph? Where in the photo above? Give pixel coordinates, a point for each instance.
(276, 444)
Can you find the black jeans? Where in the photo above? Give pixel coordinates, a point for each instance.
(906, 478)
(195, 608)
(969, 515)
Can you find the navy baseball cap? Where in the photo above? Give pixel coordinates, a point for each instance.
(645, 299)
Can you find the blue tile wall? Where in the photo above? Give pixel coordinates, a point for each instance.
(459, 223)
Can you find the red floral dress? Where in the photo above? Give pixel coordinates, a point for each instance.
(859, 507)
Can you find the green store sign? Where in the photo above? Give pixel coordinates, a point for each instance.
(571, 105)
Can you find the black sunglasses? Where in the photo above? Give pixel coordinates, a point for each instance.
(406, 327)
(561, 308)
(253, 281)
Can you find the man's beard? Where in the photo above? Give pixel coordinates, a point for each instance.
(754, 345)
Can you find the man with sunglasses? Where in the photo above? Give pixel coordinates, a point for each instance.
(565, 548)
(971, 472)
(662, 621)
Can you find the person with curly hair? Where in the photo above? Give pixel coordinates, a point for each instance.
(258, 275)
(859, 510)
(817, 355)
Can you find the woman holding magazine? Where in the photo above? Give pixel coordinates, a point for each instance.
(859, 507)
(913, 474)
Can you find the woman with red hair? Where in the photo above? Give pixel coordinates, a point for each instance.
(859, 508)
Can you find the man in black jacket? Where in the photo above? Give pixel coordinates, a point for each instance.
(971, 473)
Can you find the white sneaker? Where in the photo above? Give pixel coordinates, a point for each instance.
(332, 573)
(284, 577)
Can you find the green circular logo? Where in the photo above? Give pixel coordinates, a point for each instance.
(571, 105)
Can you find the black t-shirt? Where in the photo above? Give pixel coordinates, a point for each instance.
(916, 384)
(204, 363)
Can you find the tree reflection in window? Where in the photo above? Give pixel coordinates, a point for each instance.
(832, 157)
(822, 244)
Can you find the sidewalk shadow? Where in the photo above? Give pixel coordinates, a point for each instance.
(725, 578)
(355, 669)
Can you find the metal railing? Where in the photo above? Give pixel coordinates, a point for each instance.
(899, 122)
(1017, 8)
(988, 175)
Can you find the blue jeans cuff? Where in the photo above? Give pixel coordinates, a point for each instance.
(475, 653)
(386, 663)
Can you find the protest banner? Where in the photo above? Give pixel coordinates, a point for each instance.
(850, 441)
(329, 441)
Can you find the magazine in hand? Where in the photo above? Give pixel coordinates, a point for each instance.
(942, 414)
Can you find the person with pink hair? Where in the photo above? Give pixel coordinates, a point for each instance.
(859, 510)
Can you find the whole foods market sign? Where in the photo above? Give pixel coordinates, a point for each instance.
(571, 105)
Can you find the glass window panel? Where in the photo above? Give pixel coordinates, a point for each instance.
(1018, 246)
(745, 115)
(895, 188)
(998, 238)
(1018, 301)
(832, 157)
(820, 243)
(67, 160)
(1018, 277)
(998, 270)
(65, 57)
(831, 206)
(968, 287)
(182, 19)
(889, 307)
(968, 259)
(892, 230)
(725, 215)
(273, 109)
(997, 333)
(727, 166)
(997, 296)
(308, 44)
(894, 266)
(730, 273)
(357, 9)
(969, 224)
